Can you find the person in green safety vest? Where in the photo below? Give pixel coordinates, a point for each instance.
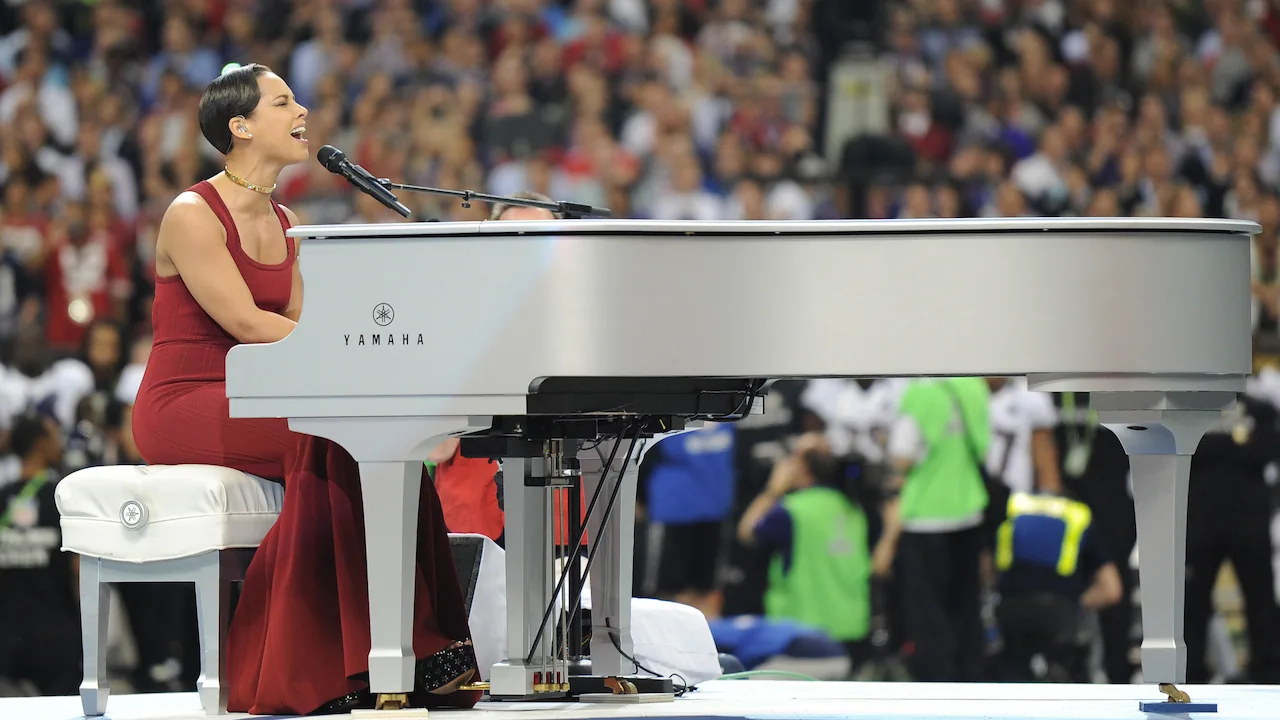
(933, 524)
(1051, 564)
(820, 571)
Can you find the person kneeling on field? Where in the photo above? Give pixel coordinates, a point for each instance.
(820, 573)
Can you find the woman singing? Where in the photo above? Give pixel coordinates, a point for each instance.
(226, 274)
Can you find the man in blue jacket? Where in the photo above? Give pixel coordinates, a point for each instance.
(687, 485)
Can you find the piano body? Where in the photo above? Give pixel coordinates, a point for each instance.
(558, 345)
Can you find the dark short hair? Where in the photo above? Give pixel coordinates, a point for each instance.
(28, 430)
(232, 93)
(499, 209)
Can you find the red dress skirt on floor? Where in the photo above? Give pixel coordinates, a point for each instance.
(300, 635)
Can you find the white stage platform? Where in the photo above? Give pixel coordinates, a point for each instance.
(778, 700)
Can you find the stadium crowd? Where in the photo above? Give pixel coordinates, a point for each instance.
(665, 109)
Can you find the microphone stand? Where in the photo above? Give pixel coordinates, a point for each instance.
(569, 210)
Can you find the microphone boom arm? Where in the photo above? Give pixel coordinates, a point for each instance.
(567, 209)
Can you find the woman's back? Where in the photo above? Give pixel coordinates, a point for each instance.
(190, 346)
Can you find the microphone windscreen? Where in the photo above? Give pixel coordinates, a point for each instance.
(329, 156)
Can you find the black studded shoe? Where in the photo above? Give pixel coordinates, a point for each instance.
(445, 667)
(455, 665)
(359, 700)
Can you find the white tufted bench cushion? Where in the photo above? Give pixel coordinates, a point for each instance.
(141, 513)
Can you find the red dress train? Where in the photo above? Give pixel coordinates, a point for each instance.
(300, 635)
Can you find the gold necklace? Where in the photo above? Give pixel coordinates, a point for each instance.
(245, 183)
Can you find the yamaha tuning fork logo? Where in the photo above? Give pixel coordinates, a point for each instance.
(383, 315)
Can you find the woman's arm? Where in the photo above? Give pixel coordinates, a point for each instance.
(189, 237)
(294, 310)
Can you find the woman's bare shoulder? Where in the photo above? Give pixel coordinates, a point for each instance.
(189, 226)
(190, 219)
(189, 207)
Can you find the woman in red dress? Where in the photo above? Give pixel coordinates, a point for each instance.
(226, 274)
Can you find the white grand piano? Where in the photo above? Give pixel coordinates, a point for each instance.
(548, 342)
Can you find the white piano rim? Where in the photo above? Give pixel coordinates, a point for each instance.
(658, 228)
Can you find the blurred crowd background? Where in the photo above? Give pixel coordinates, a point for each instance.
(668, 109)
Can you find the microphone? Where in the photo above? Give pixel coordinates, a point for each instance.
(336, 162)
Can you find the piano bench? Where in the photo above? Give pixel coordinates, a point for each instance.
(163, 523)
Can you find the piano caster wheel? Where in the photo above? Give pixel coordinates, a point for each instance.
(1175, 695)
(392, 701)
(621, 686)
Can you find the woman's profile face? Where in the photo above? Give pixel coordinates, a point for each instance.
(274, 121)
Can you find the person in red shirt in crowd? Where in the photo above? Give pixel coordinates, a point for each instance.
(598, 47)
(931, 140)
(517, 29)
(86, 276)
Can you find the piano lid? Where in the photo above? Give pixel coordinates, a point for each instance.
(844, 228)
(392, 325)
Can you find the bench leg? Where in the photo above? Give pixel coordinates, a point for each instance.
(94, 605)
(213, 611)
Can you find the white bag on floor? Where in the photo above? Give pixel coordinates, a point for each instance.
(668, 638)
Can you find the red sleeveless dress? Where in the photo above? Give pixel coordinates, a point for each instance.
(300, 635)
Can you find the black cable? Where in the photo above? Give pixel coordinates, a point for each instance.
(613, 638)
(684, 685)
(740, 412)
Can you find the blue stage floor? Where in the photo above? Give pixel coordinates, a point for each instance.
(780, 700)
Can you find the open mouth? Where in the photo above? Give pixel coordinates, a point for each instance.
(298, 132)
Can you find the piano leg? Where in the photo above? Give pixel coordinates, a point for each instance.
(390, 452)
(529, 583)
(611, 571)
(1160, 431)
(390, 492)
